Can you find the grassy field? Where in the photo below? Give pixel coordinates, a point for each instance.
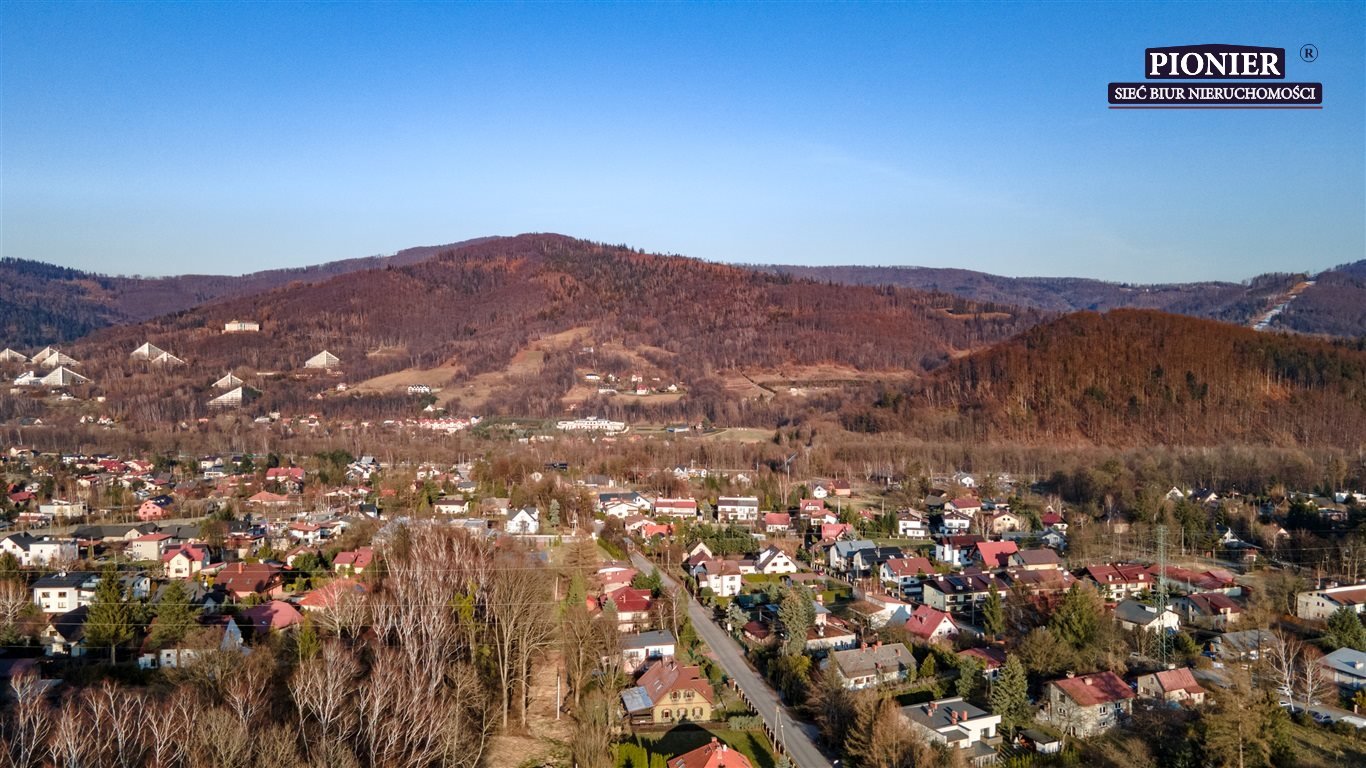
(683, 738)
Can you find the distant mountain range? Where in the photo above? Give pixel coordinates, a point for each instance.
(45, 304)
(543, 325)
(1332, 302)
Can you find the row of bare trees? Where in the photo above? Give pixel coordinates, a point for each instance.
(420, 669)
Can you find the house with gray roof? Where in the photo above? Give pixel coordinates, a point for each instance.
(872, 665)
(1346, 667)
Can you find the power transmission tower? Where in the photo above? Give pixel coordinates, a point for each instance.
(1162, 594)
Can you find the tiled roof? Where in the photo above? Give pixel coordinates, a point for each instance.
(1090, 690)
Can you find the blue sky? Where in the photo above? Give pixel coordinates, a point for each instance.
(166, 138)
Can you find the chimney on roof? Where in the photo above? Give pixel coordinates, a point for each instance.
(1071, 674)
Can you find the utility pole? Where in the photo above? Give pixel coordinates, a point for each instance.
(1162, 592)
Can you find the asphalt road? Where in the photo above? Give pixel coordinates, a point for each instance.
(799, 737)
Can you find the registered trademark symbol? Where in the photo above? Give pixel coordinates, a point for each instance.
(1309, 53)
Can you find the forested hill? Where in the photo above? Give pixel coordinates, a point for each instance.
(1132, 377)
(519, 320)
(1336, 305)
(43, 304)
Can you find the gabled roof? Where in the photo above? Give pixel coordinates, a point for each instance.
(712, 755)
(909, 566)
(228, 382)
(996, 554)
(1182, 679)
(275, 614)
(1090, 690)
(925, 621)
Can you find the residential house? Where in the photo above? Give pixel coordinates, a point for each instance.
(1036, 560)
(872, 665)
(1132, 615)
(1319, 604)
(1241, 646)
(148, 546)
(65, 633)
(911, 524)
(61, 509)
(720, 576)
(448, 505)
(632, 606)
(958, 725)
(684, 508)
(526, 520)
(777, 523)
(955, 523)
(184, 561)
(1346, 667)
(332, 595)
(242, 580)
(993, 555)
(63, 592)
(714, 754)
(154, 509)
(276, 615)
(840, 488)
(1006, 521)
(1209, 610)
(1117, 582)
(669, 693)
(962, 594)
(828, 632)
(641, 648)
(32, 550)
(931, 625)
(773, 561)
(622, 504)
(992, 659)
(737, 509)
(841, 554)
(1171, 686)
(1086, 705)
(836, 531)
(906, 573)
(353, 562)
(867, 561)
(218, 633)
(957, 551)
(966, 505)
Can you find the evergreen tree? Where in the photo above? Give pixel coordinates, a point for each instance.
(797, 614)
(109, 620)
(993, 614)
(1010, 696)
(175, 616)
(1077, 620)
(927, 667)
(1345, 630)
(969, 676)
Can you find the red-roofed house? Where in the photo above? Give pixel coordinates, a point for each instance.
(328, 595)
(1209, 610)
(992, 660)
(1116, 582)
(995, 554)
(276, 614)
(777, 522)
(713, 755)
(268, 499)
(906, 573)
(1087, 705)
(353, 561)
(930, 625)
(184, 561)
(836, 531)
(1171, 685)
(633, 608)
(244, 579)
(966, 504)
(293, 475)
(669, 693)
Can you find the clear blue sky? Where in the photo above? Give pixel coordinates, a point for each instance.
(165, 138)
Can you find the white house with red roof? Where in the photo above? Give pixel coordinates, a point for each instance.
(930, 625)
(965, 504)
(353, 561)
(777, 522)
(683, 507)
(185, 561)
